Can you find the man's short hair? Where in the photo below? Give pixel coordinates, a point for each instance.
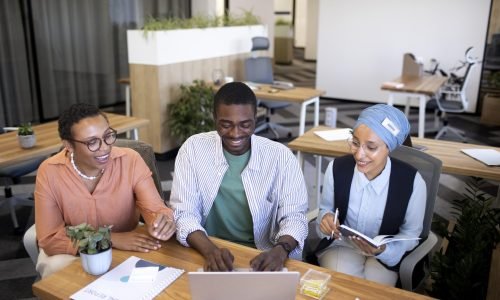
(235, 93)
(73, 115)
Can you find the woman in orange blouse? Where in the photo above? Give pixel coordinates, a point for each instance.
(93, 182)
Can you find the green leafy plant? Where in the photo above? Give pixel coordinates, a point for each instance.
(88, 239)
(494, 79)
(25, 129)
(153, 24)
(462, 272)
(282, 22)
(192, 113)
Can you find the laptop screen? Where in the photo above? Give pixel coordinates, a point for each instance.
(243, 285)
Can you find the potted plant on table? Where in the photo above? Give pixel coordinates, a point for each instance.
(26, 135)
(94, 246)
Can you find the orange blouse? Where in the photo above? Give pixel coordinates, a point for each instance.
(125, 190)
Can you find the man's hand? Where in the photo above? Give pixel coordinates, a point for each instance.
(162, 228)
(216, 259)
(133, 241)
(271, 260)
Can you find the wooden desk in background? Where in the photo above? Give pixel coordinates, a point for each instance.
(454, 161)
(423, 87)
(48, 141)
(62, 284)
(300, 95)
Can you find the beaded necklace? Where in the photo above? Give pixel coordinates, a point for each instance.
(80, 173)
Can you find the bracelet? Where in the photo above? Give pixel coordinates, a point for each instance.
(285, 246)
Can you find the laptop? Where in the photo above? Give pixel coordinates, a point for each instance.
(243, 285)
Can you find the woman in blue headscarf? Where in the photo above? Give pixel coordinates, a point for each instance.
(373, 194)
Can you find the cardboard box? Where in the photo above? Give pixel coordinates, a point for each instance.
(490, 111)
(411, 68)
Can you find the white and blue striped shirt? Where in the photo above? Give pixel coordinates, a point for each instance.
(273, 183)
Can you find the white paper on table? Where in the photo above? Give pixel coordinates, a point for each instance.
(145, 274)
(489, 157)
(334, 134)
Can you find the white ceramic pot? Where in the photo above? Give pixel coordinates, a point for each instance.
(97, 264)
(26, 141)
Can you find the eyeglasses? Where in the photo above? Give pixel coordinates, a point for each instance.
(369, 149)
(95, 144)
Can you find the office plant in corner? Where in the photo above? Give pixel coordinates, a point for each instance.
(192, 113)
(462, 271)
(94, 246)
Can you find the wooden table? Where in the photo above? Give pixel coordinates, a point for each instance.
(454, 161)
(424, 88)
(48, 141)
(69, 280)
(300, 95)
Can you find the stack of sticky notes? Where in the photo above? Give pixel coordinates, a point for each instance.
(314, 284)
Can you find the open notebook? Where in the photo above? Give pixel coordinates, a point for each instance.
(243, 285)
(117, 283)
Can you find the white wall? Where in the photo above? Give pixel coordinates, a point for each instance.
(264, 9)
(311, 48)
(300, 23)
(358, 49)
(284, 6)
(203, 8)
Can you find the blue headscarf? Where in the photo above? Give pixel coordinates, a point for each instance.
(388, 122)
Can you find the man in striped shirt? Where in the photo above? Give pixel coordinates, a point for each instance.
(240, 187)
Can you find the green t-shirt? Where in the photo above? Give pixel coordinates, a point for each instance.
(230, 216)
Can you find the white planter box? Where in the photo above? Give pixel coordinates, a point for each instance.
(181, 45)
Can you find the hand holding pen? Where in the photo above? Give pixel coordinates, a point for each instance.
(329, 224)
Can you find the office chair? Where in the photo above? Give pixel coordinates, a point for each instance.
(452, 97)
(415, 266)
(146, 152)
(11, 175)
(260, 70)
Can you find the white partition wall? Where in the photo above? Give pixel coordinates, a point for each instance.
(361, 42)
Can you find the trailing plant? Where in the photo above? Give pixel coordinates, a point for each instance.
(25, 129)
(462, 272)
(88, 239)
(192, 113)
(153, 24)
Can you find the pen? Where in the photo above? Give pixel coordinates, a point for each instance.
(335, 219)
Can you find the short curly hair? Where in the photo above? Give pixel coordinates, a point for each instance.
(235, 93)
(73, 115)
